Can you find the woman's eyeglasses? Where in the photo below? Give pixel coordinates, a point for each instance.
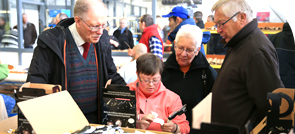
(154, 81)
(187, 50)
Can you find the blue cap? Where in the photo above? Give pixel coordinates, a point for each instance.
(178, 11)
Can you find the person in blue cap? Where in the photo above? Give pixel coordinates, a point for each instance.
(178, 17)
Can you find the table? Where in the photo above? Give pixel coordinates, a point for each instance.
(132, 130)
(12, 82)
(8, 89)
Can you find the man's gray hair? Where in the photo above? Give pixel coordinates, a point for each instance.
(231, 7)
(83, 6)
(190, 31)
(63, 16)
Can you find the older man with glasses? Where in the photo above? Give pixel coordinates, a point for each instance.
(154, 102)
(187, 71)
(250, 69)
(77, 55)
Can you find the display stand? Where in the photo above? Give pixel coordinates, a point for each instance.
(119, 107)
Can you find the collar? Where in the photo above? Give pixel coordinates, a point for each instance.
(200, 22)
(25, 25)
(151, 27)
(286, 27)
(77, 38)
(245, 31)
(123, 29)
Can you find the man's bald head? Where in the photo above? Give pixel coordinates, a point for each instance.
(139, 49)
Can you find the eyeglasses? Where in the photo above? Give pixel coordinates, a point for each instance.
(222, 24)
(188, 50)
(154, 81)
(94, 29)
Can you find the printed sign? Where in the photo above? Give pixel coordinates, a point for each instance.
(119, 106)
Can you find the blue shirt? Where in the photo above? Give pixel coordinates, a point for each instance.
(155, 46)
(122, 30)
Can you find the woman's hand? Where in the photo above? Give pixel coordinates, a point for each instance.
(146, 121)
(169, 127)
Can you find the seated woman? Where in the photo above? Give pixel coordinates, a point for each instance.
(154, 97)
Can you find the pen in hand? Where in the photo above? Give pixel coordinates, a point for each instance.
(179, 112)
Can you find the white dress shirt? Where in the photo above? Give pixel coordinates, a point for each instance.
(77, 38)
(128, 72)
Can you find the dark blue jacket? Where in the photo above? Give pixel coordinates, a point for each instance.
(285, 47)
(126, 36)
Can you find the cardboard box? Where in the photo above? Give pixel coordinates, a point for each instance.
(53, 114)
(29, 91)
(49, 88)
(10, 123)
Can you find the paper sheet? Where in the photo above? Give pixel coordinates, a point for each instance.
(157, 120)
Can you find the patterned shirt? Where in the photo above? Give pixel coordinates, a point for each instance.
(155, 46)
